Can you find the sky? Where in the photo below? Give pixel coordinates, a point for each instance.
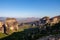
(29, 8)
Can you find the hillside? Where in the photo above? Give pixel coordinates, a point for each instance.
(50, 26)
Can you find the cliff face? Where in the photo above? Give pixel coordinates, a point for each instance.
(52, 20)
(12, 24)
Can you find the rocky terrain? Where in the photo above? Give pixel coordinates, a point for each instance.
(43, 29)
(13, 23)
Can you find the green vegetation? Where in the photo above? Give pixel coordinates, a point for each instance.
(27, 33)
(2, 35)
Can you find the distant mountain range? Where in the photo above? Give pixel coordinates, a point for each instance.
(3, 18)
(22, 20)
(25, 20)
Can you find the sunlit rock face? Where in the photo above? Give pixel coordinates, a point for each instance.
(54, 20)
(58, 17)
(11, 24)
(1, 27)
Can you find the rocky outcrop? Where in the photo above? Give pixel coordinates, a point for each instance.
(44, 20)
(11, 24)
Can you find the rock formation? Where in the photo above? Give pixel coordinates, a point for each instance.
(1, 27)
(11, 24)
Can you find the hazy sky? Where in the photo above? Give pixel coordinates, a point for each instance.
(29, 8)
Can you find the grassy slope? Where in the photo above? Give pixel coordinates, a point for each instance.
(2, 35)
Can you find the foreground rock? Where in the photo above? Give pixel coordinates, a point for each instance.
(51, 37)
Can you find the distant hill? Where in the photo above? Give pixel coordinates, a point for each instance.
(3, 18)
